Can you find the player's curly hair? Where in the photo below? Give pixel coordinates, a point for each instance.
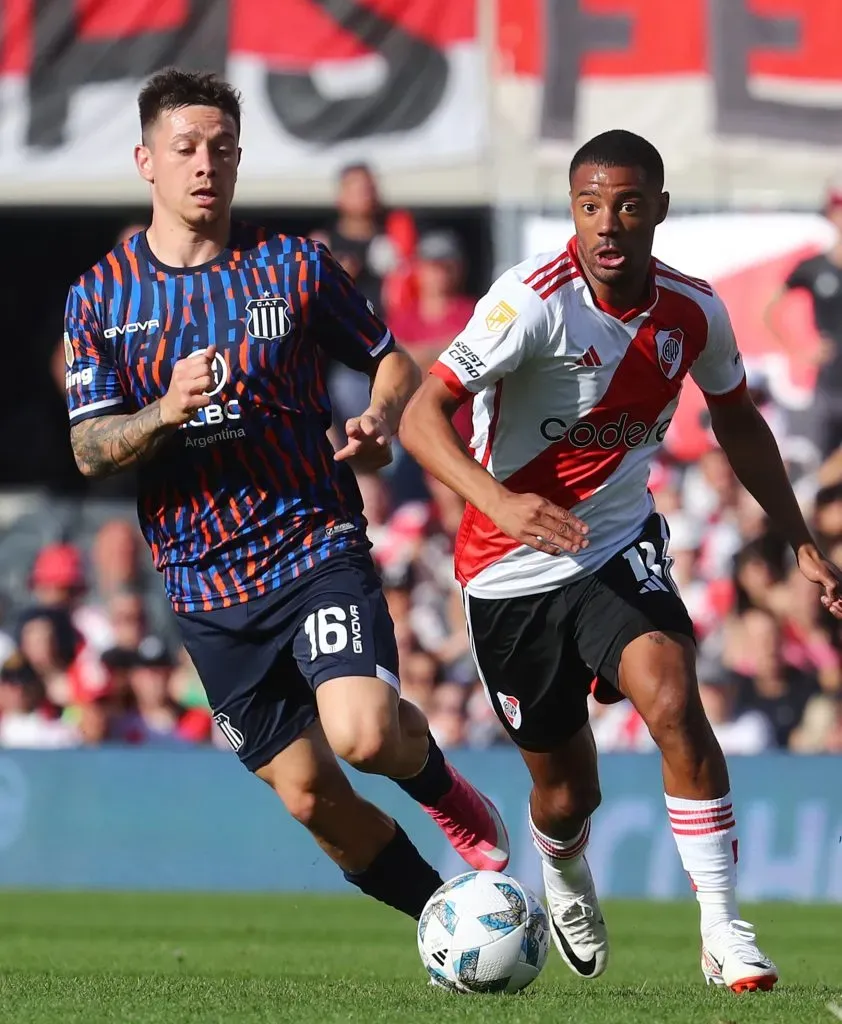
(619, 148)
(171, 89)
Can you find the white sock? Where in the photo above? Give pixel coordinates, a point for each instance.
(706, 836)
(565, 856)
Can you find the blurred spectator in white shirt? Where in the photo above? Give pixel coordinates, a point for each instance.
(749, 732)
(26, 717)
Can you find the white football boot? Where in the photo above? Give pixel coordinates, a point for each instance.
(576, 923)
(730, 957)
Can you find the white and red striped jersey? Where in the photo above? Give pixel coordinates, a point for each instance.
(572, 401)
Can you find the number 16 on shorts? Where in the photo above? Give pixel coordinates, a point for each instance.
(330, 629)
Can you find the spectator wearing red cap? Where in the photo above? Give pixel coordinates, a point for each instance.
(59, 580)
(821, 277)
(98, 600)
(58, 584)
(58, 576)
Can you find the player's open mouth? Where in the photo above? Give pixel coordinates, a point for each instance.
(609, 258)
(206, 196)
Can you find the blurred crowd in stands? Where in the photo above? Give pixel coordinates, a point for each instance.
(89, 654)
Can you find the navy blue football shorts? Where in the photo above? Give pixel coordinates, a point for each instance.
(261, 661)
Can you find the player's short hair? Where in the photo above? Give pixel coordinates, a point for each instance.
(172, 89)
(619, 148)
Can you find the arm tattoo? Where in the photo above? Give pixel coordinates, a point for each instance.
(107, 444)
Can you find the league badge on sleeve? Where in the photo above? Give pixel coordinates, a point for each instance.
(68, 350)
(670, 351)
(501, 315)
(268, 320)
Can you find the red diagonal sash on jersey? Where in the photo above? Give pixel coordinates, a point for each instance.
(566, 474)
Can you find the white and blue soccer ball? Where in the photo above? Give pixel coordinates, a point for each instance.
(483, 932)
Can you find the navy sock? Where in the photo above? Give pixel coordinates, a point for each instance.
(398, 876)
(432, 782)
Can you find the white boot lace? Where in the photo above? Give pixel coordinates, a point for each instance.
(740, 938)
(577, 916)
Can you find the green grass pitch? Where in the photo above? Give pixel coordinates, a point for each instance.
(172, 959)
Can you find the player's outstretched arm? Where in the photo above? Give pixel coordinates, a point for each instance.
(393, 382)
(750, 446)
(428, 434)
(107, 444)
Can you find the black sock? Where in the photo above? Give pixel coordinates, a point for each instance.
(398, 876)
(432, 782)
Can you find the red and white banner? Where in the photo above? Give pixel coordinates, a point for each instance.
(743, 97)
(774, 65)
(396, 82)
(454, 103)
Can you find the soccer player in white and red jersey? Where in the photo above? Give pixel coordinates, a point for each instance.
(574, 361)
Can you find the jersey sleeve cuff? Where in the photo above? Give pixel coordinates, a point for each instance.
(104, 407)
(384, 346)
(451, 381)
(729, 396)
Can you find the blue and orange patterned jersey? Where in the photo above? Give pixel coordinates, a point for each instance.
(247, 495)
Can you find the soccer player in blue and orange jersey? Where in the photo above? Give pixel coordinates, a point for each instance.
(196, 351)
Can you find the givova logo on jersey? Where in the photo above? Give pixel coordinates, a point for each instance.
(619, 433)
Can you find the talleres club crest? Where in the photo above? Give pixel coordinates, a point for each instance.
(267, 318)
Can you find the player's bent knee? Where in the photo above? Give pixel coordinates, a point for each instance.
(313, 801)
(361, 721)
(303, 805)
(366, 749)
(658, 673)
(299, 795)
(365, 739)
(569, 802)
(581, 803)
(674, 713)
(590, 799)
